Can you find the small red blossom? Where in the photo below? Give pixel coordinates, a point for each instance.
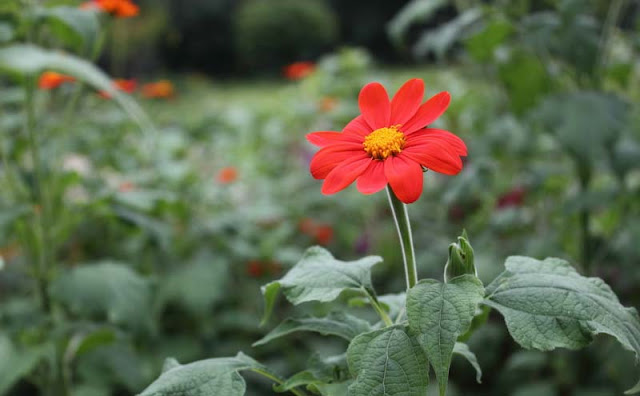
(298, 70)
(51, 80)
(254, 269)
(515, 197)
(120, 84)
(117, 8)
(227, 175)
(388, 143)
(323, 234)
(162, 89)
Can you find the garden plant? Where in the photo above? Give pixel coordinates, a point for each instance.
(126, 256)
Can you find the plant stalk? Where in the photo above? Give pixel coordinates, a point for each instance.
(376, 305)
(44, 254)
(403, 226)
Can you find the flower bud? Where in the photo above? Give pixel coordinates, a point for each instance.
(460, 261)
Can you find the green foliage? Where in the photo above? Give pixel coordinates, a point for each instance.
(29, 61)
(203, 378)
(108, 289)
(438, 314)
(18, 362)
(275, 32)
(524, 93)
(548, 305)
(387, 362)
(338, 324)
(461, 259)
(482, 45)
(77, 28)
(318, 276)
(463, 350)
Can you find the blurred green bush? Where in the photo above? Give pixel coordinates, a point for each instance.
(269, 34)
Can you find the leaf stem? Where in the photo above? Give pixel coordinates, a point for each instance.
(403, 226)
(277, 379)
(41, 199)
(376, 305)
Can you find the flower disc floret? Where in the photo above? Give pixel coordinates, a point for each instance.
(384, 142)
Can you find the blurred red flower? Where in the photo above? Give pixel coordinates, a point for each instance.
(254, 269)
(162, 89)
(321, 233)
(126, 186)
(51, 80)
(388, 144)
(124, 85)
(227, 175)
(515, 197)
(298, 70)
(118, 8)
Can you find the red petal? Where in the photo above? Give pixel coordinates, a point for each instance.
(372, 179)
(345, 173)
(436, 156)
(374, 105)
(322, 138)
(428, 112)
(358, 126)
(405, 177)
(431, 134)
(406, 101)
(325, 160)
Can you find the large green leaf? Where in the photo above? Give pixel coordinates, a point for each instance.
(336, 323)
(318, 276)
(203, 378)
(26, 60)
(387, 362)
(547, 305)
(439, 313)
(74, 26)
(16, 363)
(462, 349)
(107, 289)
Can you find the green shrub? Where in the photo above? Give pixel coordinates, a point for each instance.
(271, 33)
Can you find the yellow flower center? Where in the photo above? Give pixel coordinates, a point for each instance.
(384, 142)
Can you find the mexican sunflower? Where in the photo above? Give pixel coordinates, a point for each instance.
(121, 84)
(389, 143)
(298, 70)
(118, 8)
(159, 89)
(51, 80)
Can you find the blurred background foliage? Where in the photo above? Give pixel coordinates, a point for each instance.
(161, 239)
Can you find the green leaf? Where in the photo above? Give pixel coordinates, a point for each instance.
(203, 378)
(74, 26)
(439, 313)
(27, 60)
(387, 362)
(108, 289)
(336, 389)
(414, 11)
(524, 93)
(17, 362)
(321, 371)
(318, 276)
(336, 323)
(441, 39)
(482, 45)
(547, 305)
(463, 350)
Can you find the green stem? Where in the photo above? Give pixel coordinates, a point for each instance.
(41, 199)
(584, 175)
(278, 380)
(401, 217)
(376, 305)
(615, 7)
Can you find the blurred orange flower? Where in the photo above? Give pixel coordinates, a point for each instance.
(298, 70)
(51, 80)
(121, 84)
(158, 89)
(327, 104)
(227, 175)
(254, 269)
(118, 8)
(321, 233)
(126, 186)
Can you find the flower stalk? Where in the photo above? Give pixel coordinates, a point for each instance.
(403, 226)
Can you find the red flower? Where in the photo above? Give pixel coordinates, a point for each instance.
(327, 104)
(323, 234)
(51, 80)
(388, 144)
(515, 197)
(118, 8)
(254, 269)
(227, 175)
(128, 86)
(298, 70)
(159, 89)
